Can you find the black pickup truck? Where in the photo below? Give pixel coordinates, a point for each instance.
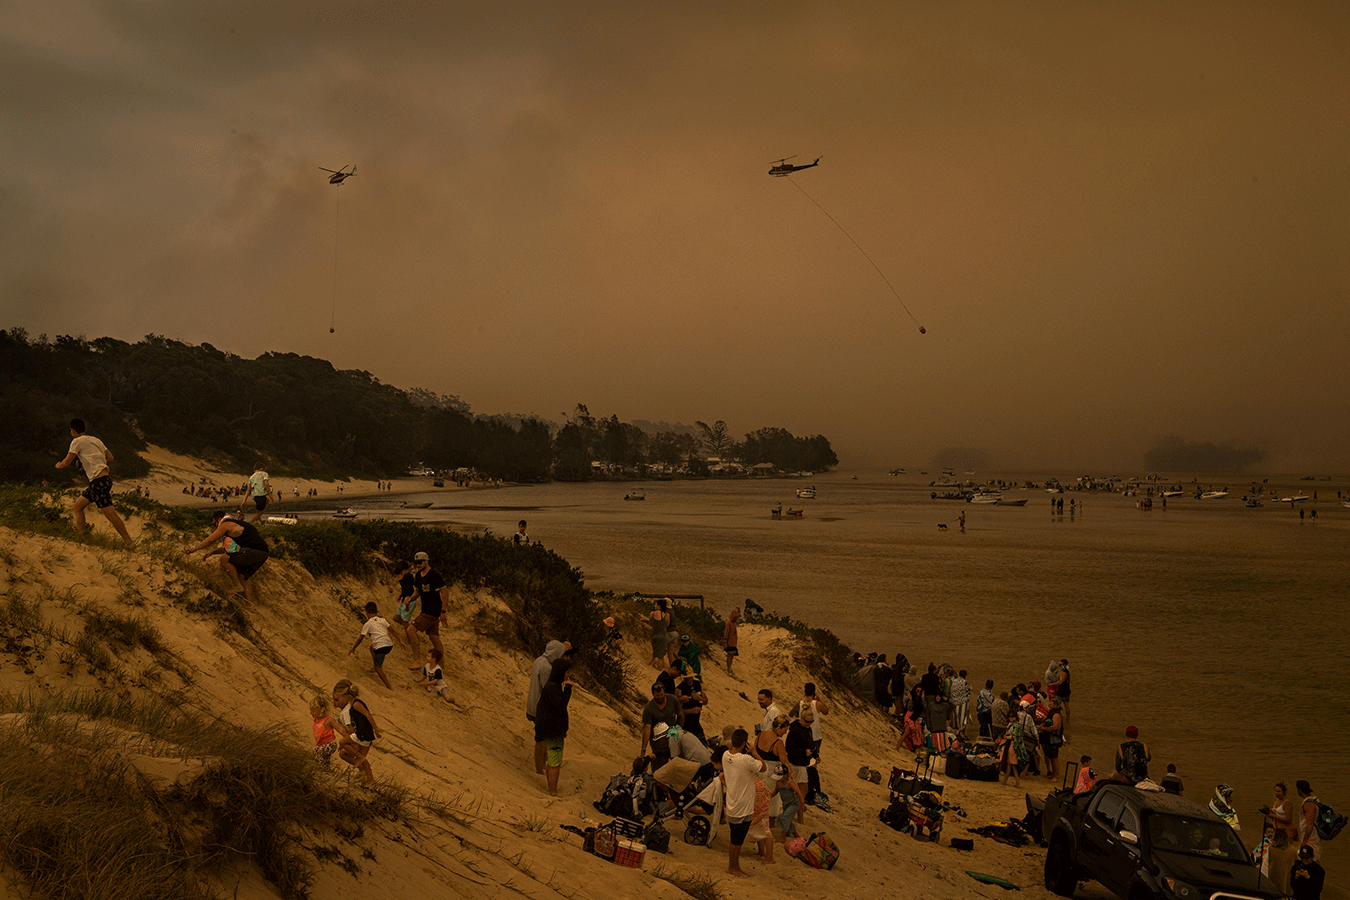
(1143, 845)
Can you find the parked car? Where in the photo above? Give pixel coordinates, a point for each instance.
(1143, 845)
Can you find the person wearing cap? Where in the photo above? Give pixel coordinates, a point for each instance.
(692, 700)
(1132, 758)
(1307, 819)
(689, 652)
(520, 537)
(729, 638)
(430, 587)
(1307, 876)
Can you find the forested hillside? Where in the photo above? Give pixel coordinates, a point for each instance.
(300, 414)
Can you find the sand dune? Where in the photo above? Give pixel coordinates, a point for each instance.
(498, 833)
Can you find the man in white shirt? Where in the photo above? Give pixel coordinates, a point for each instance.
(260, 489)
(771, 710)
(94, 458)
(739, 770)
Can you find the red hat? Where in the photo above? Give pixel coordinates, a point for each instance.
(1132, 732)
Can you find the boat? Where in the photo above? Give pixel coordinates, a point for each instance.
(1004, 501)
(1167, 494)
(347, 513)
(635, 495)
(1213, 495)
(1252, 503)
(1297, 498)
(986, 497)
(807, 493)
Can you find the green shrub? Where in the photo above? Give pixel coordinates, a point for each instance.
(548, 596)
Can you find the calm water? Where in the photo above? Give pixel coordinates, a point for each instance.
(1220, 631)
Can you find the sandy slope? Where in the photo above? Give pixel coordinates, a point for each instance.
(478, 757)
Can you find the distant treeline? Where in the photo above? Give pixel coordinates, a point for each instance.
(298, 414)
(1175, 454)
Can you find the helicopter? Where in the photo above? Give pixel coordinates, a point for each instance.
(340, 175)
(781, 167)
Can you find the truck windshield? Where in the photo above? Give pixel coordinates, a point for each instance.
(1198, 837)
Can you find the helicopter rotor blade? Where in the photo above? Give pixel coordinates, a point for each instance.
(783, 160)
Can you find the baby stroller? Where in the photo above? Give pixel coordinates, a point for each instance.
(686, 787)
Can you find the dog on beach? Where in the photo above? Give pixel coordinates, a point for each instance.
(942, 526)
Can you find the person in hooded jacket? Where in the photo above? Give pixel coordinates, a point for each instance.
(539, 674)
(550, 719)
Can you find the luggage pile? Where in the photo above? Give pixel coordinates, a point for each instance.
(916, 806)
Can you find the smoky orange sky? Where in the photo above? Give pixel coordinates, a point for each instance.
(1116, 220)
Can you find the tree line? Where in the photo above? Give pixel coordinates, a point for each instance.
(298, 414)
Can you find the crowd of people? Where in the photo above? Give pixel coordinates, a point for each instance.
(768, 780)
(1027, 727)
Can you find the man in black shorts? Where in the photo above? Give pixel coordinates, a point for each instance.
(243, 547)
(739, 770)
(260, 489)
(430, 587)
(94, 458)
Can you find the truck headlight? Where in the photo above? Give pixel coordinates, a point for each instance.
(1181, 889)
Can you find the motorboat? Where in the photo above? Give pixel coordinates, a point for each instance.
(1167, 494)
(635, 495)
(986, 497)
(1297, 498)
(1213, 495)
(1004, 501)
(807, 493)
(347, 513)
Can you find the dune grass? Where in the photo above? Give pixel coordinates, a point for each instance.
(78, 820)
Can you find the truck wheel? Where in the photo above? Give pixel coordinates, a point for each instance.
(1060, 877)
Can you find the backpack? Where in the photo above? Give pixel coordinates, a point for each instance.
(617, 799)
(1328, 823)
